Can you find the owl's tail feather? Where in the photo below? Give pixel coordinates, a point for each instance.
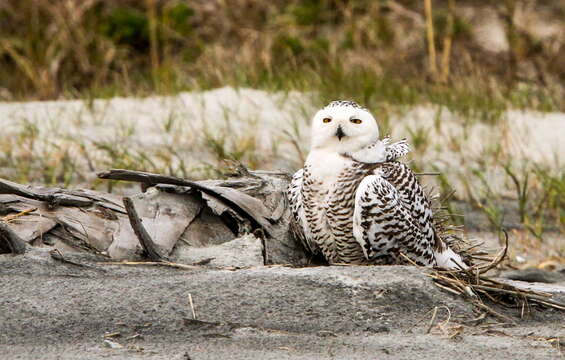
(449, 259)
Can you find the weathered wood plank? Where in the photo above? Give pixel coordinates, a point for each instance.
(153, 251)
(10, 241)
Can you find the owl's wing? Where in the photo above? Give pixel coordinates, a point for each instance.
(381, 151)
(298, 215)
(396, 150)
(384, 227)
(411, 195)
(406, 198)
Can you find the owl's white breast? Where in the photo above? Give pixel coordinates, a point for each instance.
(325, 167)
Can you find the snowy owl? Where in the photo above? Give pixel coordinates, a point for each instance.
(354, 203)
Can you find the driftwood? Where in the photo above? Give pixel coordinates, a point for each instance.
(151, 249)
(246, 205)
(52, 197)
(10, 241)
(170, 220)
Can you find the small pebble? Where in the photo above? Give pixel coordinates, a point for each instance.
(112, 344)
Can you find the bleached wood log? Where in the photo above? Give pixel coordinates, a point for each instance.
(176, 215)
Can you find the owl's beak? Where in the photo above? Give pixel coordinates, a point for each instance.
(339, 133)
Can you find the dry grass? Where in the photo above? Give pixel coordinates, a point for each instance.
(483, 291)
(373, 51)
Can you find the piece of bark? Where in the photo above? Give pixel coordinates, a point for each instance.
(94, 227)
(53, 197)
(207, 229)
(152, 250)
(84, 228)
(30, 226)
(166, 216)
(69, 228)
(246, 205)
(10, 241)
(125, 244)
(259, 197)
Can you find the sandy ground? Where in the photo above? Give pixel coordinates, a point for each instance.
(57, 311)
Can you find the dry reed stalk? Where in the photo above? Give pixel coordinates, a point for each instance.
(153, 44)
(432, 320)
(154, 263)
(191, 306)
(430, 38)
(446, 54)
(12, 217)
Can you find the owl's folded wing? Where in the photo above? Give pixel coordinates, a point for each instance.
(385, 228)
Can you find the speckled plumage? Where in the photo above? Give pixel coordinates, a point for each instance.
(355, 203)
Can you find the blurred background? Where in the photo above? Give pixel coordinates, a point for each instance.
(177, 87)
(463, 53)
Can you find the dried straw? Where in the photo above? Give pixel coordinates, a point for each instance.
(472, 284)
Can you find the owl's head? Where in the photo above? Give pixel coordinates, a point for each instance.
(343, 127)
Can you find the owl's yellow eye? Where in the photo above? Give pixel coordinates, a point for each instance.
(327, 120)
(356, 121)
